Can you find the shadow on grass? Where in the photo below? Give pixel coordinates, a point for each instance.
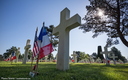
(48, 71)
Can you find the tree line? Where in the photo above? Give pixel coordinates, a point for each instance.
(95, 56)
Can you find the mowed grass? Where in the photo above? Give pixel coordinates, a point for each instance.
(77, 71)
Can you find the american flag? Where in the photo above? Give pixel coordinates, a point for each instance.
(36, 46)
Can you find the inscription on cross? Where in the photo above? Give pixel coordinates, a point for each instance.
(66, 24)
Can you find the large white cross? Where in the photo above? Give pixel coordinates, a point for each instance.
(113, 56)
(66, 24)
(106, 52)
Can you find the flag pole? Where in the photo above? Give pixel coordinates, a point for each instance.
(38, 56)
(11, 58)
(32, 62)
(33, 47)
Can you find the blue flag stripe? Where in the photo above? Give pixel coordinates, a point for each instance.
(43, 32)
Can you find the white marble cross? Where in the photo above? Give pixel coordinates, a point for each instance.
(86, 60)
(98, 60)
(17, 54)
(74, 57)
(26, 51)
(106, 52)
(66, 24)
(113, 56)
(56, 56)
(91, 59)
(46, 58)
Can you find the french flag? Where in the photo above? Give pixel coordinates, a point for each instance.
(13, 56)
(44, 43)
(7, 59)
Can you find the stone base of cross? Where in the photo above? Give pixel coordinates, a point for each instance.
(66, 24)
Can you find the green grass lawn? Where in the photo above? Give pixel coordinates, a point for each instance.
(77, 71)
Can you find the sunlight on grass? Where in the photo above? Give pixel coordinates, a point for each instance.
(77, 71)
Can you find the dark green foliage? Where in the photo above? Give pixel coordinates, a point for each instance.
(50, 56)
(98, 53)
(81, 55)
(9, 51)
(94, 55)
(29, 54)
(123, 59)
(20, 56)
(78, 55)
(117, 53)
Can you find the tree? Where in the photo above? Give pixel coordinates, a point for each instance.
(78, 55)
(87, 56)
(117, 53)
(94, 55)
(124, 59)
(107, 16)
(98, 53)
(20, 56)
(29, 54)
(81, 55)
(9, 51)
(50, 56)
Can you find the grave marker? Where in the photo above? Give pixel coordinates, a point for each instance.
(74, 57)
(17, 54)
(99, 60)
(113, 57)
(46, 58)
(26, 51)
(106, 52)
(66, 24)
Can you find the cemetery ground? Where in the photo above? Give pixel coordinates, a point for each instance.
(77, 71)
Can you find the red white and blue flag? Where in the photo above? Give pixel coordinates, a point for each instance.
(35, 47)
(13, 56)
(7, 59)
(45, 44)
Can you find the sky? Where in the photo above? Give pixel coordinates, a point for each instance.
(19, 19)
